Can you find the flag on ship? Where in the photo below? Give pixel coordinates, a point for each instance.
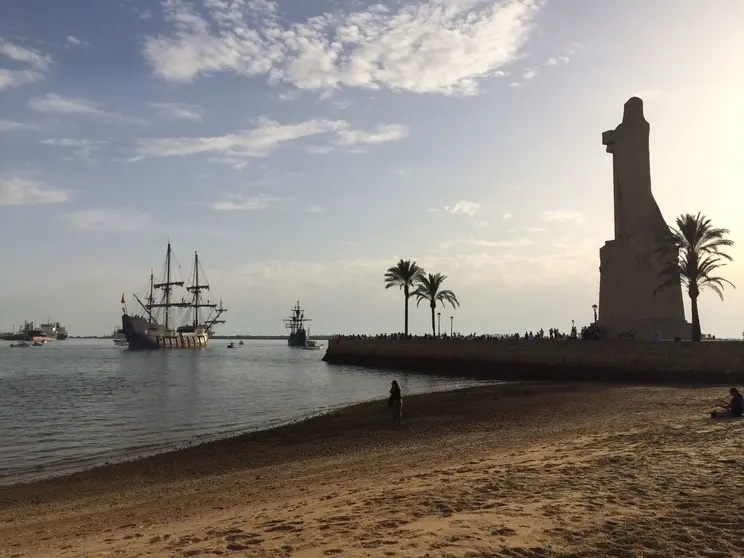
(122, 298)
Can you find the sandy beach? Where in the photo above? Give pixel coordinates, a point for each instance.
(511, 470)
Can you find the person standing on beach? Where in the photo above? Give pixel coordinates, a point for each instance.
(396, 402)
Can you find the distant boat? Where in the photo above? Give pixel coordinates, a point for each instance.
(295, 325)
(20, 345)
(146, 332)
(39, 343)
(120, 340)
(241, 343)
(231, 345)
(29, 332)
(311, 345)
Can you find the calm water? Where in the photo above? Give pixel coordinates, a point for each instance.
(75, 404)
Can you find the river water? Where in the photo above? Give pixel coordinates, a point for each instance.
(75, 404)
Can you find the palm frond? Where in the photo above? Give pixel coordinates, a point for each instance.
(429, 289)
(404, 274)
(698, 250)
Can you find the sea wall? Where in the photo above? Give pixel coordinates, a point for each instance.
(550, 360)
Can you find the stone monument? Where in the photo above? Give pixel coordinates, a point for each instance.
(630, 265)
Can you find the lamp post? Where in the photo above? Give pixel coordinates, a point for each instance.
(452, 324)
(439, 324)
(594, 307)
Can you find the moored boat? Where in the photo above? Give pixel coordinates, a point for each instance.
(145, 331)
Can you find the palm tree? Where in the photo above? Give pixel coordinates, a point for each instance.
(405, 275)
(429, 289)
(698, 249)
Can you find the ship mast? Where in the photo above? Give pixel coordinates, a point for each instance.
(296, 319)
(196, 288)
(167, 288)
(151, 298)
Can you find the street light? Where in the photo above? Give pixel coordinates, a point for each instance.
(594, 307)
(452, 323)
(439, 324)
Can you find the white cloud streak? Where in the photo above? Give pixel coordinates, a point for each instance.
(20, 191)
(245, 203)
(178, 111)
(14, 126)
(429, 46)
(81, 148)
(74, 106)
(463, 207)
(267, 136)
(36, 65)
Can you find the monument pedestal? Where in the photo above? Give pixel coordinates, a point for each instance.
(629, 275)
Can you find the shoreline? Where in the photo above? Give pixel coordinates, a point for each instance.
(214, 439)
(458, 477)
(139, 464)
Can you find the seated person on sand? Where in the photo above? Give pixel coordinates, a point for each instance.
(731, 408)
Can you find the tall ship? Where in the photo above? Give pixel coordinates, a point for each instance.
(295, 325)
(156, 327)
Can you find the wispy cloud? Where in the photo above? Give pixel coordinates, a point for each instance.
(562, 216)
(57, 104)
(14, 126)
(463, 207)
(319, 149)
(122, 219)
(383, 133)
(177, 111)
(245, 203)
(267, 136)
(81, 148)
(554, 61)
(36, 64)
(258, 142)
(75, 42)
(533, 229)
(20, 191)
(506, 216)
(426, 47)
(514, 243)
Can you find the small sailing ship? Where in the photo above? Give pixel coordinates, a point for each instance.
(295, 325)
(154, 329)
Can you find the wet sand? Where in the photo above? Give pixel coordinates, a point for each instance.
(510, 470)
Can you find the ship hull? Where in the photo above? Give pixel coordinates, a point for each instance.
(143, 336)
(61, 336)
(297, 339)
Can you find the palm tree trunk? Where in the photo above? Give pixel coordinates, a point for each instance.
(696, 333)
(433, 325)
(405, 293)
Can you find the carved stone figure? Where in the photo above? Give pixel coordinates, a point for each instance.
(630, 264)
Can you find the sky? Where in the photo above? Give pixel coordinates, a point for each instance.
(304, 146)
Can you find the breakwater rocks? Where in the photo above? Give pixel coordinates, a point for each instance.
(550, 360)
